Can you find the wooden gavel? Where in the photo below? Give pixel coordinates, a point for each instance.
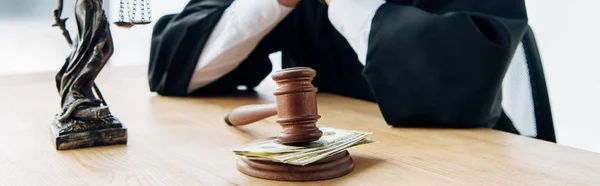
(296, 107)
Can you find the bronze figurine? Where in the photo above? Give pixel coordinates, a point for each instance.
(85, 119)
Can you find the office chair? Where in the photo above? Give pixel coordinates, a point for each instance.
(525, 95)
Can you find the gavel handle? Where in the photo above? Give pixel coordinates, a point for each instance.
(250, 113)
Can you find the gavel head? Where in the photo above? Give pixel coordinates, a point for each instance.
(297, 105)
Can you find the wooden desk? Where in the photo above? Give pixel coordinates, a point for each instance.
(183, 141)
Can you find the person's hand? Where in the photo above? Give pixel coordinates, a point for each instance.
(289, 3)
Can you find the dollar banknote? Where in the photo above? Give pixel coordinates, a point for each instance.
(309, 158)
(332, 142)
(263, 157)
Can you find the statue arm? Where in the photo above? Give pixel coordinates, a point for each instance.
(61, 23)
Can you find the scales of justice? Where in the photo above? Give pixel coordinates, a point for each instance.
(85, 119)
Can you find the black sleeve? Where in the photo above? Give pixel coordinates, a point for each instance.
(177, 43)
(442, 69)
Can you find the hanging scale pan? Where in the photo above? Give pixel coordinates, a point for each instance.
(131, 13)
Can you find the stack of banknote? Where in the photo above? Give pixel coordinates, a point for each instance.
(332, 142)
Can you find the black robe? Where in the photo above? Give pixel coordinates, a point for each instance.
(430, 63)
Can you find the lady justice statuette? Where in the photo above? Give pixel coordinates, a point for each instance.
(85, 119)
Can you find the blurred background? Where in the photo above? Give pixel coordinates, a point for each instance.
(566, 32)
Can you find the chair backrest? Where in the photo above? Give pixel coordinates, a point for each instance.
(525, 95)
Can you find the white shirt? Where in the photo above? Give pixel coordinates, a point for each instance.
(246, 22)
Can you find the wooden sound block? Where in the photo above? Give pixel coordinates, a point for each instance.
(332, 167)
(115, 133)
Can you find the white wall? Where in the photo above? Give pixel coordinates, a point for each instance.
(568, 34)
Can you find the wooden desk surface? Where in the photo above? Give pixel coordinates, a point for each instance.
(183, 141)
